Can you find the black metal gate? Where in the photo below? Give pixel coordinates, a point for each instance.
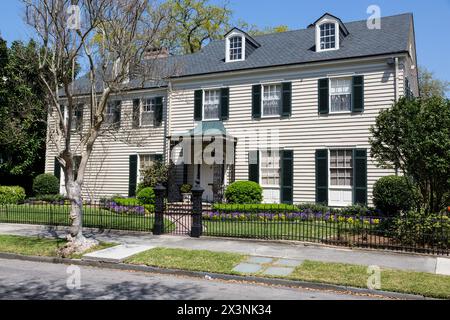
(178, 219)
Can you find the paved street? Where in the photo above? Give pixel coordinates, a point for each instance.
(31, 280)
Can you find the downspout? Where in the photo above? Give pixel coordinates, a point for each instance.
(396, 79)
(168, 123)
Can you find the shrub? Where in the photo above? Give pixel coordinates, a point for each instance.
(12, 195)
(244, 192)
(392, 194)
(45, 184)
(48, 198)
(146, 196)
(186, 188)
(126, 201)
(158, 173)
(250, 208)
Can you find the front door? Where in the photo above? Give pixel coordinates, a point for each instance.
(206, 182)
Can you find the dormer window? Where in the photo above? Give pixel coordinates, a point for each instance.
(235, 48)
(327, 36)
(329, 32)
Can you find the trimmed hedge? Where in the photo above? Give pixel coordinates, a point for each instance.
(392, 194)
(244, 192)
(45, 184)
(146, 196)
(246, 208)
(12, 195)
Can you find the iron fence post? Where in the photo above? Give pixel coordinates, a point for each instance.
(197, 211)
(158, 227)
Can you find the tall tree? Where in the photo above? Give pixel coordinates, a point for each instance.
(22, 111)
(414, 136)
(430, 86)
(196, 22)
(112, 37)
(254, 30)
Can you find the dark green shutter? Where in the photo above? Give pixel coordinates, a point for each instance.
(322, 176)
(57, 169)
(360, 176)
(117, 113)
(224, 103)
(324, 99)
(287, 100)
(132, 182)
(358, 94)
(287, 176)
(136, 112)
(256, 101)
(159, 157)
(253, 166)
(158, 111)
(198, 105)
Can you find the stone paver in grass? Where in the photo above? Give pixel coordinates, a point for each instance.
(443, 266)
(116, 254)
(288, 262)
(278, 271)
(247, 268)
(260, 260)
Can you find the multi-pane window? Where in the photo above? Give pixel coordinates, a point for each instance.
(211, 105)
(408, 92)
(341, 168)
(341, 94)
(148, 112)
(77, 118)
(146, 161)
(271, 100)
(235, 48)
(270, 168)
(327, 36)
(112, 114)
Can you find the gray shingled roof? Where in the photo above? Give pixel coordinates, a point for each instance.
(289, 48)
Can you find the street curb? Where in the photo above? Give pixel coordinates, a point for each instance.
(215, 276)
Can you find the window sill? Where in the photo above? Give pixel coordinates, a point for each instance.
(341, 188)
(210, 120)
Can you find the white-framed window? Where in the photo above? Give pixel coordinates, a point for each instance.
(270, 168)
(146, 161)
(211, 104)
(77, 118)
(327, 36)
(112, 114)
(271, 100)
(147, 114)
(341, 95)
(235, 48)
(341, 168)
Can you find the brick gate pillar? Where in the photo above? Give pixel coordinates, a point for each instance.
(197, 211)
(158, 227)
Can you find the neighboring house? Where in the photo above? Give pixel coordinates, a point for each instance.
(314, 92)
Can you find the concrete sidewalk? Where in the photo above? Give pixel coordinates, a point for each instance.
(280, 250)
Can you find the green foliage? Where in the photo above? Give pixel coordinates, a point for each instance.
(245, 208)
(196, 22)
(11, 195)
(421, 228)
(146, 196)
(23, 112)
(244, 192)
(393, 194)
(158, 173)
(48, 198)
(126, 201)
(429, 86)
(414, 136)
(45, 184)
(186, 188)
(254, 30)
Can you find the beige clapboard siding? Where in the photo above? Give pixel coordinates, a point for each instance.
(305, 131)
(108, 167)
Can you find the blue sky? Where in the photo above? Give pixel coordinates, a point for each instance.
(431, 21)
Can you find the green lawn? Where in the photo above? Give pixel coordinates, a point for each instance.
(278, 230)
(41, 247)
(425, 284)
(94, 217)
(194, 260)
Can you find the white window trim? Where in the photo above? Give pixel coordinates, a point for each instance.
(268, 186)
(227, 46)
(329, 95)
(271, 116)
(141, 106)
(139, 154)
(330, 187)
(337, 30)
(203, 104)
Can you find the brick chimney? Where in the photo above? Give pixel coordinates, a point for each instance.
(156, 53)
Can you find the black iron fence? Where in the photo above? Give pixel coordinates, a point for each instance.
(411, 232)
(101, 215)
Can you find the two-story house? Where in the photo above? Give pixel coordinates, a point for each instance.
(292, 111)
